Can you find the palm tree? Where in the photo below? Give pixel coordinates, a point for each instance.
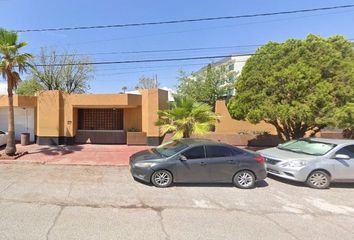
(12, 64)
(124, 88)
(186, 117)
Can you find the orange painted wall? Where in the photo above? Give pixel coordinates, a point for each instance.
(229, 125)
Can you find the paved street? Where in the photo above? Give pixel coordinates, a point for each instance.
(97, 202)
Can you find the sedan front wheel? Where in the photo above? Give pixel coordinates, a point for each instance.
(161, 178)
(318, 179)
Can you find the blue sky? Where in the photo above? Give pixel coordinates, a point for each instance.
(29, 14)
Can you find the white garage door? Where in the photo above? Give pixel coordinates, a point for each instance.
(24, 121)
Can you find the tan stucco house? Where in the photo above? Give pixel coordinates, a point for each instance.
(54, 117)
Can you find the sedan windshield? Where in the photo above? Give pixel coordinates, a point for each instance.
(171, 148)
(308, 147)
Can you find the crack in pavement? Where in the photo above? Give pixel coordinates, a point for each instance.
(54, 222)
(69, 192)
(159, 214)
(142, 205)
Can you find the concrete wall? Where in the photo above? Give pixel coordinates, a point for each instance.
(57, 115)
(229, 125)
(152, 101)
(19, 101)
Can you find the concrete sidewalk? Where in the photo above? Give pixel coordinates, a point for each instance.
(85, 154)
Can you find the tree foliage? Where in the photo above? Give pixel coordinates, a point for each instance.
(186, 117)
(28, 87)
(344, 119)
(148, 83)
(207, 86)
(297, 86)
(12, 64)
(65, 72)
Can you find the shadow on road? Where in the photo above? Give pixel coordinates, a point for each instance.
(259, 184)
(300, 184)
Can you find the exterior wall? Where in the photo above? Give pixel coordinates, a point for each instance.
(229, 125)
(48, 105)
(19, 101)
(58, 112)
(133, 118)
(152, 101)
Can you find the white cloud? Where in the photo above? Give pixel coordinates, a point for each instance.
(3, 88)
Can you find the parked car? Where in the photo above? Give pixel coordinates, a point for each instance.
(315, 161)
(3, 138)
(198, 161)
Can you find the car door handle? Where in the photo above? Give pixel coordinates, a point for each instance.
(230, 161)
(203, 163)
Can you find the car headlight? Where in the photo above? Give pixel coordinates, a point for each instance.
(146, 165)
(294, 164)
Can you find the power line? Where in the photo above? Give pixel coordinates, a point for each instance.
(161, 50)
(143, 61)
(186, 20)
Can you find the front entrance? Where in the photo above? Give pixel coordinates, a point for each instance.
(100, 126)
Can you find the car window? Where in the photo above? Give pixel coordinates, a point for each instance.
(194, 153)
(348, 150)
(218, 151)
(306, 146)
(170, 148)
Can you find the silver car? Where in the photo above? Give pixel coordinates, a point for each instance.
(315, 161)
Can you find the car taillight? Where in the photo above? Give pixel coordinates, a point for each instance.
(260, 159)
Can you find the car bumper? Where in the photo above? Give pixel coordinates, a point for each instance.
(261, 174)
(143, 174)
(296, 174)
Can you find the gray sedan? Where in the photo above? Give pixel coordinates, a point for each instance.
(315, 161)
(198, 161)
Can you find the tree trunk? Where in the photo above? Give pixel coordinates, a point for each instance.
(10, 149)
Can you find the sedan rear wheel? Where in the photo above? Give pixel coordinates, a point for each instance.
(318, 179)
(244, 179)
(161, 178)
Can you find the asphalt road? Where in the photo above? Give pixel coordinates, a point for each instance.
(82, 202)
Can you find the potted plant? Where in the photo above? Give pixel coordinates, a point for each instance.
(136, 137)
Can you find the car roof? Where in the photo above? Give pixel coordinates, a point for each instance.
(333, 140)
(198, 141)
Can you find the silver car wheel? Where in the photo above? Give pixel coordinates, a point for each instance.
(245, 179)
(162, 178)
(318, 179)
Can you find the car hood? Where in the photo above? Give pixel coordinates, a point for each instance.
(146, 155)
(284, 155)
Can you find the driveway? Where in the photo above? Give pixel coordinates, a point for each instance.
(96, 202)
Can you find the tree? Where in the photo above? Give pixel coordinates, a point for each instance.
(297, 85)
(124, 88)
(344, 118)
(207, 86)
(28, 87)
(65, 72)
(12, 65)
(148, 82)
(186, 117)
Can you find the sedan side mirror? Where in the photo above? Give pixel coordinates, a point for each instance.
(182, 158)
(341, 157)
